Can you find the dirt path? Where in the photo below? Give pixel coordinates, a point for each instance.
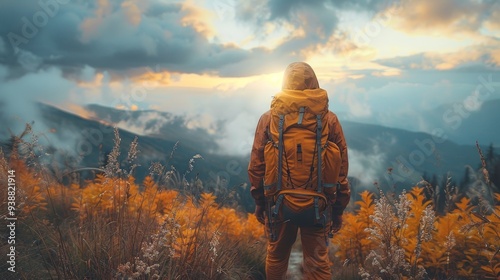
(294, 264)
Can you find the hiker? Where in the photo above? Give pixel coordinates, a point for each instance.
(294, 138)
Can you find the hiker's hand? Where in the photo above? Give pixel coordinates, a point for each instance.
(259, 213)
(336, 223)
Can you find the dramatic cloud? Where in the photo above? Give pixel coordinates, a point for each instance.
(451, 17)
(124, 36)
(479, 57)
(132, 37)
(304, 27)
(120, 36)
(217, 63)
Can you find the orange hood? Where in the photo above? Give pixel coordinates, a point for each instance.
(299, 76)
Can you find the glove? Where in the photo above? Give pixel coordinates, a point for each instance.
(259, 213)
(336, 223)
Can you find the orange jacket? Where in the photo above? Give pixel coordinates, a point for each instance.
(298, 76)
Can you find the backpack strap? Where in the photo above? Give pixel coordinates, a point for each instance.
(279, 200)
(319, 128)
(319, 189)
(280, 152)
(316, 208)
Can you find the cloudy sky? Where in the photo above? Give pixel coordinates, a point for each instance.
(222, 60)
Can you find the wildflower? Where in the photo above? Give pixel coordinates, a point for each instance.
(213, 245)
(113, 166)
(388, 260)
(427, 223)
(132, 154)
(449, 244)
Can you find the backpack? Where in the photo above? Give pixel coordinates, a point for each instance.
(301, 164)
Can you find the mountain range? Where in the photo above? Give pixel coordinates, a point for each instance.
(377, 154)
(463, 123)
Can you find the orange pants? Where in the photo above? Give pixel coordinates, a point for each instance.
(316, 264)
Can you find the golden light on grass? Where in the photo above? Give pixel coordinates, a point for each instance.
(171, 227)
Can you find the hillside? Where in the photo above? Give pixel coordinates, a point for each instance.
(373, 149)
(409, 154)
(461, 123)
(88, 141)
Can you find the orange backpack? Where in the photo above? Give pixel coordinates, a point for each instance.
(300, 162)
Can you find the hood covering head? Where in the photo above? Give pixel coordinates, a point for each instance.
(299, 76)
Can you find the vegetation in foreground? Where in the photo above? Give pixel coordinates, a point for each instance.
(112, 227)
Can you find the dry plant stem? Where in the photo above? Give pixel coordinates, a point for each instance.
(483, 164)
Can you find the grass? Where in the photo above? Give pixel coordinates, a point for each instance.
(114, 228)
(169, 227)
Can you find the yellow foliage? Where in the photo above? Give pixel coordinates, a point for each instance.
(29, 194)
(253, 228)
(367, 207)
(411, 233)
(465, 242)
(352, 240)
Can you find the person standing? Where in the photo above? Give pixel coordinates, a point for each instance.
(298, 174)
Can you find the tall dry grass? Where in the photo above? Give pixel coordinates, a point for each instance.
(402, 237)
(114, 228)
(167, 227)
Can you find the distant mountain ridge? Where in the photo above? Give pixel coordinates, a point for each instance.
(374, 149)
(155, 124)
(462, 122)
(408, 155)
(388, 156)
